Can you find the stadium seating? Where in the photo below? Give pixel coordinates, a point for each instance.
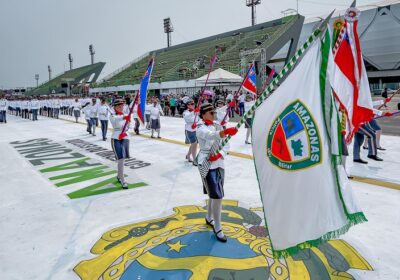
(191, 60)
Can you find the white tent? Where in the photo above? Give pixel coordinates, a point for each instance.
(220, 76)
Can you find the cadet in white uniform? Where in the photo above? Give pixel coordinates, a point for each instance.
(189, 115)
(3, 110)
(76, 106)
(147, 114)
(86, 111)
(35, 106)
(103, 117)
(155, 113)
(247, 106)
(221, 113)
(120, 139)
(56, 107)
(93, 113)
(211, 167)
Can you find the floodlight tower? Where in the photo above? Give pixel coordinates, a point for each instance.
(49, 69)
(70, 61)
(92, 52)
(37, 79)
(253, 4)
(168, 28)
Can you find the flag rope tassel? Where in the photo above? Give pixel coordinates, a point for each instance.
(283, 73)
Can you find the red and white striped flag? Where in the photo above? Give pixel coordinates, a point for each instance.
(349, 77)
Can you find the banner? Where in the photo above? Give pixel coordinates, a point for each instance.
(306, 195)
(143, 91)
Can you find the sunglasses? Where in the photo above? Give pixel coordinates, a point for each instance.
(211, 112)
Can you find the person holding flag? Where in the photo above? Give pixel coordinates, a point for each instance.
(211, 167)
(120, 138)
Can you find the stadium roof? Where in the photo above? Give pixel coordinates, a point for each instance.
(76, 77)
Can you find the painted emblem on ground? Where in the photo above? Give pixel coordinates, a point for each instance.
(293, 140)
(181, 246)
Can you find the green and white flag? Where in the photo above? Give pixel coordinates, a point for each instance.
(296, 135)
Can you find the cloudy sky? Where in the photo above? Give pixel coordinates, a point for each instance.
(37, 33)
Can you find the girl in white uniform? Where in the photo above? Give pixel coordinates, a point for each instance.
(209, 135)
(189, 115)
(120, 139)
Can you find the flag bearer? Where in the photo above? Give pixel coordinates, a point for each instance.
(211, 167)
(120, 145)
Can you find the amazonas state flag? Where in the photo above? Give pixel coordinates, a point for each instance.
(305, 193)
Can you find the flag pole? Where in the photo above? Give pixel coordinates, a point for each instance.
(205, 84)
(283, 73)
(396, 92)
(237, 93)
(134, 102)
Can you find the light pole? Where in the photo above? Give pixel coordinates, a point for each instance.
(253, 4)
(49, 69)
(168, 29)
(37, 79)
(70, 61)
(92, 52)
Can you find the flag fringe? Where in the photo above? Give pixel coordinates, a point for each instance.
(353, 219)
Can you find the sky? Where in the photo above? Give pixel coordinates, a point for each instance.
(38, 33)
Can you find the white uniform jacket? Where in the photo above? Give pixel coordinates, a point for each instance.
(207, 135)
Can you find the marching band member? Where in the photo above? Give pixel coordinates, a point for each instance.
(189, 115)
(120, 146)
(209, 135)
